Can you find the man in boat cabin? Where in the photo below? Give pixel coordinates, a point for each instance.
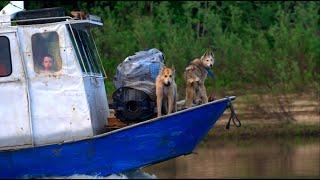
(47, 63)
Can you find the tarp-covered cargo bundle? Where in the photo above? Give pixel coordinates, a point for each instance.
(135, 96)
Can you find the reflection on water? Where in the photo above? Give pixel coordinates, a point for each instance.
(242, 159)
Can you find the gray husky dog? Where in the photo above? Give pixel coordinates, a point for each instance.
(195, 75)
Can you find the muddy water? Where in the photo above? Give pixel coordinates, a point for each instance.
(259, 158)
(282, 158)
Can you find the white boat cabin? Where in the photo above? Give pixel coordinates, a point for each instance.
(51, 83)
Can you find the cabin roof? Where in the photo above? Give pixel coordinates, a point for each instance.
(48, 16)
(69, 20)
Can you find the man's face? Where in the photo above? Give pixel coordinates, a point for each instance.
(47, 63)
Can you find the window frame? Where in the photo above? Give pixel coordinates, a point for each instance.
(35, 63)
(85, 37)
(10, 56)
(88, 62)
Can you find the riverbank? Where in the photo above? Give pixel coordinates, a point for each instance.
(264, 130)
(266, 116)
(272, 116)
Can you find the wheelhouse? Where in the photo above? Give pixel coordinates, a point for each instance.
(51, 79)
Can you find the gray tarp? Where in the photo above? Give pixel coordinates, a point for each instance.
(139, 71)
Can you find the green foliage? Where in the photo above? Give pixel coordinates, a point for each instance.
(3, 4)
(258, 44)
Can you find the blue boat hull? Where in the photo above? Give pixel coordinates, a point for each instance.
(121, 150)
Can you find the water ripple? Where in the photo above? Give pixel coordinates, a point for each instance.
(127, 175)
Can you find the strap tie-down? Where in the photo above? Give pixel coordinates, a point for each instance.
(233, 116)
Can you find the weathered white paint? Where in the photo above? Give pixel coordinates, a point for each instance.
(97, 99)
(14, 116)
(5, 20)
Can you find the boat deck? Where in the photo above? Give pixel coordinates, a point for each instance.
(115, 123)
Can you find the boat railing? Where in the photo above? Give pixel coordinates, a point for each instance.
(91, 18)
(41, 19)
(35, 20)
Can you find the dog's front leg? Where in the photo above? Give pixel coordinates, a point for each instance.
(159, 94)
(203, 93)
(170, 101)
(175, 108)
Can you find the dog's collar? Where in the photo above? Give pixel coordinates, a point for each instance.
(210, 72)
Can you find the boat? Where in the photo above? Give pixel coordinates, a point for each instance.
(121, 150)
(53, 123)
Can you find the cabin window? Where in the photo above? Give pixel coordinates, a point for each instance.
(46, 52)
(87, 51)
(5, 57)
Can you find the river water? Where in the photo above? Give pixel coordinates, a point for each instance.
(257, 158)
(262, 158)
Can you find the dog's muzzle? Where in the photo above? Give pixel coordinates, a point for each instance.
(167, 84)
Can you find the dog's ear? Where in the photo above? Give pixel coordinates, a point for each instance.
(205, 54)
(164, 67)
(173, 71)
(161, 69)
(211, 53)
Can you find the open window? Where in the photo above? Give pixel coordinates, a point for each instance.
(46, 52)
(5, 57)
(86, 52)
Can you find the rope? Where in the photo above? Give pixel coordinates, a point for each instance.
(233, 116)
